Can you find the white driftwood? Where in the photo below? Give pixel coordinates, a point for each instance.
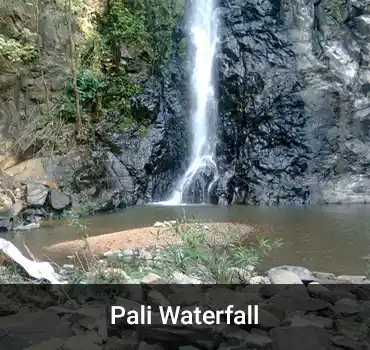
(38, 270)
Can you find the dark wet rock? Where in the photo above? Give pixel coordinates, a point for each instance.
(295, 299)
(299, 338)
(258, 341)
(293, 106)
(267, 320)
(36, 194)
(30, 328)
(5, 222)
(302, 321)
(237, 338)
(346, 307)
(51, 344)
(80, 343)
(59, 200)
(344, 343)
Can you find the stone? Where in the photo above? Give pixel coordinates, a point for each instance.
(34, 327)
(295, 298)
(156, 298)
(29, 170)
(352, 279)
(258, 341)
(236, 338)
(267, 320)
(152, 278)
(259, 280)
(17, 207)
(278, 276)
(51, 344)
(28, 227)
(5, 223)
(80, 343)
(302, 321)
(302, 273)
(68, 267)
(299, 338)
(324, 277)
(324, 322)
(181, 278)
(145, 346)
(188, 347)
(159, 224)
(344, 343)
(36, 194)
(352, 330)
(115, 343)
(346, 307)
(59, 200)
(238, 275)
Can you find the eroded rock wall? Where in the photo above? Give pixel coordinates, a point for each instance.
(294, 101)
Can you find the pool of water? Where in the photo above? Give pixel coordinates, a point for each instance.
(332, 238)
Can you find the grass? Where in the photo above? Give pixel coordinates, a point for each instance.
(209, 253)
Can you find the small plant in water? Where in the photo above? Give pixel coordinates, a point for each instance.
(367, 266)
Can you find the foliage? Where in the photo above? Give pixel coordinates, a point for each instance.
(122, 22)
(209, 253)
(15, 51)
(367, 266)
(88, 85)
(118, 91)
(12, 273)
(97, 272)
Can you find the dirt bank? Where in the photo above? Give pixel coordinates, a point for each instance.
(145, 237)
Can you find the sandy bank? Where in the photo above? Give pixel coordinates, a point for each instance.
(145, 237)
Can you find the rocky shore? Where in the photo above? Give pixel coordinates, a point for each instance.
(295, 317)
(22, 208)
(298, 309)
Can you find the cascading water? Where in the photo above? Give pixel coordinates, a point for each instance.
(202, 172)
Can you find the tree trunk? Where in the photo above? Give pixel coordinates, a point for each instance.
(78, 123)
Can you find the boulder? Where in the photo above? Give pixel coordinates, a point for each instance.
(299, 338)
(304, 274)
(280, 276)
(36, 194)
(26, 329)
(59, 200)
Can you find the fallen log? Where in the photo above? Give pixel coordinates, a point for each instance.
(36, 269)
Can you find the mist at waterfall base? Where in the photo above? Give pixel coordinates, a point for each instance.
(197, 182)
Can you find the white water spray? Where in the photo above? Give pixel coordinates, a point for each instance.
(204, 35)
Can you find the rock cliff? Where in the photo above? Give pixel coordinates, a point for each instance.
(294, 102)
(293, 81)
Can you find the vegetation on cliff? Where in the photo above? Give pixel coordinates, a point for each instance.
(68, 72)
(111, 47)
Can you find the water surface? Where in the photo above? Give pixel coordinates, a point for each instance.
(331, 238)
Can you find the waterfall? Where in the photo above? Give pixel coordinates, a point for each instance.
(202, 172)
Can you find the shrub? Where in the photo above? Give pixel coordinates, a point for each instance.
(15, 51)
(88, 85)
(208, 253)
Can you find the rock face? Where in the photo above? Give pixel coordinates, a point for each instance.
(293, 84)
(294, 101)
(294, 108)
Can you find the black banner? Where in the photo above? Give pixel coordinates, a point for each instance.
(186, 317)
